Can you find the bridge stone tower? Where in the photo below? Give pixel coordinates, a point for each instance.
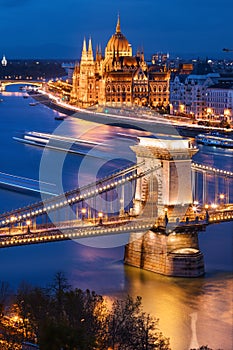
(164, 196)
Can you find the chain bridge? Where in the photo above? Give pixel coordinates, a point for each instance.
(4, 83)
(163, 201)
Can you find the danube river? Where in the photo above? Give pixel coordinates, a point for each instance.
(191, 312)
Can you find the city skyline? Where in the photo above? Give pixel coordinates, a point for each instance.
(56, 29)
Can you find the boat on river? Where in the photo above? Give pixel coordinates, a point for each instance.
(59, 117)
(215, 139)
(33, 103)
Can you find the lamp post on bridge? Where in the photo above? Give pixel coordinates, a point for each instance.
(206, 212)
(165, 217)
(28, 223)
(222, 198)
(12, 220)
(83, 212)
(100, 216)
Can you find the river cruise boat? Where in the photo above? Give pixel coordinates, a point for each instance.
(215, 139)
(33, 103)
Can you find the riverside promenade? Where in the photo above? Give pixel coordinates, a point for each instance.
(135, 117)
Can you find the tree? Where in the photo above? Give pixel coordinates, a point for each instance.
(73, 319)
(129, 328)
(4, 296)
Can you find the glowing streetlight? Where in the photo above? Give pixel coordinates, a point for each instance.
(11, 221)
(83, 211)
(100, 216)
(222, 197)
(227, 112)
(28, 223)
(194, 208)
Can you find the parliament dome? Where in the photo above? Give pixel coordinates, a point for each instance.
(118, 44)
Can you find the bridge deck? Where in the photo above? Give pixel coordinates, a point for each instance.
(76, 229)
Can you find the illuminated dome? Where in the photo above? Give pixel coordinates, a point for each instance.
(118, 44)
(129, 61)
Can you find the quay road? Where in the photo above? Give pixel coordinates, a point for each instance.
(77, 229)
(134, 117)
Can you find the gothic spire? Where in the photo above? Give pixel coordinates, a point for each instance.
(90, 51)
(118, 26)
(84, 45)
(84, 51)
(90, 46)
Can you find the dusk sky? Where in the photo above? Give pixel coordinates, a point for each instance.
(55, 28)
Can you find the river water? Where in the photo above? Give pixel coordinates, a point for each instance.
(191, 312)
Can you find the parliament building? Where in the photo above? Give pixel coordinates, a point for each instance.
(118, 78)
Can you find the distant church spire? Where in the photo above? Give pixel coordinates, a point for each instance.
(84, 51)
(118, 26)
(84, 45)
(98, 53)
(90, 47)
(90, 51)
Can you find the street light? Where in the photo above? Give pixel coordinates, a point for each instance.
(165, 216)
(28, 223)
(222, 197)
(12, 219)
(100, 216)
(194, 209)
(83, 211)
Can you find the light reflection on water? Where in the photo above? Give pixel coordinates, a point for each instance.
(172, 300)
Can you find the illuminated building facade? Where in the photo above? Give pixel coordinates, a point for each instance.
(188, 92)
(118, 78)
(220, 100)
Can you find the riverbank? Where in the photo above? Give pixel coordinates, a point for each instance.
(172, 300)
(135, 118)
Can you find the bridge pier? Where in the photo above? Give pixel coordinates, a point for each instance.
(166, 195)
(176, 255)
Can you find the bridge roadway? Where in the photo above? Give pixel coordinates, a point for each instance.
(77, 229)
(73, 230)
